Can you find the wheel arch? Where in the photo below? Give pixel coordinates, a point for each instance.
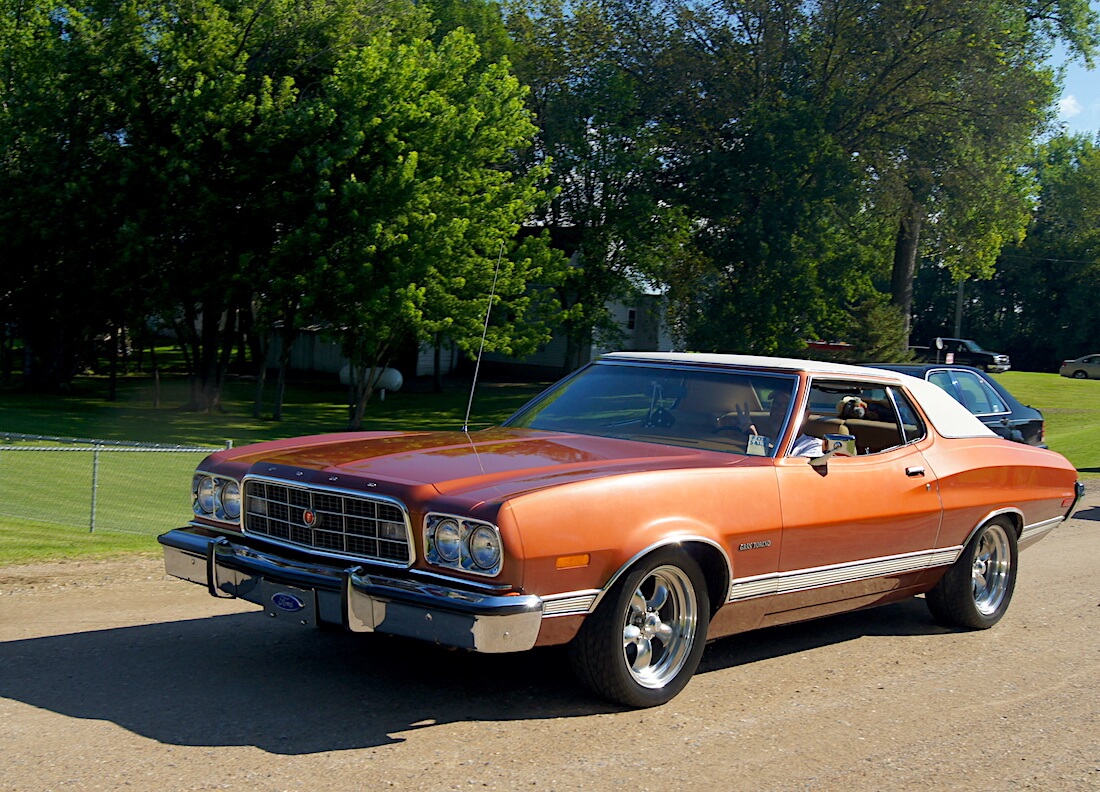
(1014, 516)
(708, 554)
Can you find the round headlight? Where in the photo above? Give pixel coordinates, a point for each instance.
(485, 547)
(448, 540)
(204, 495)
(230, 497)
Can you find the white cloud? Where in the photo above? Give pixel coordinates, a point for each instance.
(1068, 106)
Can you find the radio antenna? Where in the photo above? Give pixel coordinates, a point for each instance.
(484, 332)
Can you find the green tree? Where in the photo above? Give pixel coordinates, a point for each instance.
(238, 166)
(1039, 304)
(805, 128)
(414, 205)
(596, 131)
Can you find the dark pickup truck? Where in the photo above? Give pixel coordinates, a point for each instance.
(962, 352)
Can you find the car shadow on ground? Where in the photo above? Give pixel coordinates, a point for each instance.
(238, 680)
(1091, 513)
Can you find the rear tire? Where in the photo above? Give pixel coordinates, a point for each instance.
(1080, 375)
(643, 643)
(976, 590)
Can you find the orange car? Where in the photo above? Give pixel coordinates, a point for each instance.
(635, 510)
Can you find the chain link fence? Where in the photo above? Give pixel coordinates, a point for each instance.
(102, 485)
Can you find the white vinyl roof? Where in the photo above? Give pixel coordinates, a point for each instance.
(949, 418)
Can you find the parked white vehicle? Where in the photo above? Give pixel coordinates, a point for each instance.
(1085, 367)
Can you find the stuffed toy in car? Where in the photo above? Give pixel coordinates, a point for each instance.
(851, 407)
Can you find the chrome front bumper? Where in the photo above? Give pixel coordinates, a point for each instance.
(311, 593)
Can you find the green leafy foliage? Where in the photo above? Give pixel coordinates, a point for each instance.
(1040, 306)
(231, 165)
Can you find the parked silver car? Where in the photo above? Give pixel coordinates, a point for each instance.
(1086, 367)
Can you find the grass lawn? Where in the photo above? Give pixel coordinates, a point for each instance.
(26, 541)
(46, 497)
(309, 408)
(1072, 411)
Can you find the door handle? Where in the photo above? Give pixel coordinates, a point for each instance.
(913, 472)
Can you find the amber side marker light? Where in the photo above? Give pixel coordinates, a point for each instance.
(572, 561)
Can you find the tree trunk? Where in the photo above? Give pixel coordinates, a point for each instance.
(906, 246)
(260, 355)
(437, 371)
(112, 365)
(364, 389)
(156, 373)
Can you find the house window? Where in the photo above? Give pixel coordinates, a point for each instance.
(631, 319)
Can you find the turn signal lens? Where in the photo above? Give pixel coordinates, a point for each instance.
(572, 561)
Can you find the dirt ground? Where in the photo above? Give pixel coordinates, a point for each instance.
(114, 676)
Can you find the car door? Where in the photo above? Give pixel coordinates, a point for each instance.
(862, 526)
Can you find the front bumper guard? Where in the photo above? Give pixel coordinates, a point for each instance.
(359, 600)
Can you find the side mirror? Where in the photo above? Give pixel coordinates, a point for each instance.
(836, 445)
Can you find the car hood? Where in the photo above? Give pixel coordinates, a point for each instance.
(495, 462)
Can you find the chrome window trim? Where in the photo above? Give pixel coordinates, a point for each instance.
(982, 384)
(399, 505)
(836, 574)
(790, 376)
(951, 372)
(888, 389)
(893, 391)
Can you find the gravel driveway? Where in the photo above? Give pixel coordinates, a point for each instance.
(113, 676)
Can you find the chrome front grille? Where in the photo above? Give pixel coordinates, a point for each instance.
(340, 522)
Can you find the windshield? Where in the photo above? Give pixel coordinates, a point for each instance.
(695, 408)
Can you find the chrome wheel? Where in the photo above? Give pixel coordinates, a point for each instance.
(992, 570)
(975, 591)
(659, 628)
(644, 641)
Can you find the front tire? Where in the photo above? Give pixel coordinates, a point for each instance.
(976, 591)
(643, 643)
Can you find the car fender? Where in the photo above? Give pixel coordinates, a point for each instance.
(686, 540)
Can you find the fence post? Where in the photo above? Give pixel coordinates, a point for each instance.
(95, 486)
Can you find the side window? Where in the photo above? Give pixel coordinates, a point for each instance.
(863, 410)
(942, 380)
(978, 396)
(911, 425)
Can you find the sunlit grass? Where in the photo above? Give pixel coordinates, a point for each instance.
(24, 541)
(1071, 408)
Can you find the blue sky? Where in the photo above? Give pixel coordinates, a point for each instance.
(1079, 105)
